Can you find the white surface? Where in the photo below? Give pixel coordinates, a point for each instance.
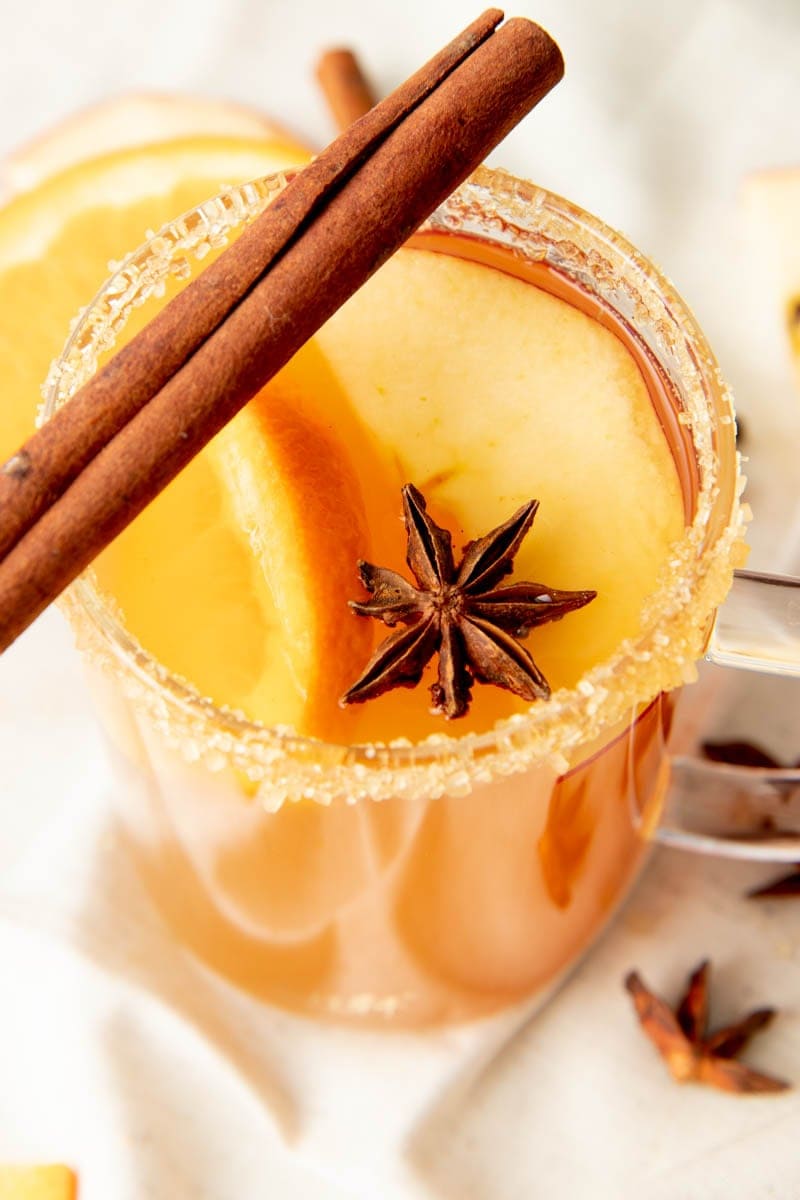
(153, 1079)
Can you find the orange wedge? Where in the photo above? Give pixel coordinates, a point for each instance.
(237, 576)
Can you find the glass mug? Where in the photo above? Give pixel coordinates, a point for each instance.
(429, 883)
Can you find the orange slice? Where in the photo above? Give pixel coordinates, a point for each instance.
(131, 119)
(56, 242)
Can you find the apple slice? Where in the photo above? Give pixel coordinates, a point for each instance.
(491, 391)
(133, 119)
(771, 201)
(53, 1182)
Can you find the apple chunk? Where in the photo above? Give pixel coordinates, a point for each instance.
(52, 1182)
(771, 201)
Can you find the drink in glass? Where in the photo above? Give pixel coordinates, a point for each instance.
(378, 864)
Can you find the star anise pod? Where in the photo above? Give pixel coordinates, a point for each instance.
(739, 754)
(784, 887)
(748, 754)
(692, 1053)
(462, 613)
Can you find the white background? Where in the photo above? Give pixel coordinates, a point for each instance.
(664, 108)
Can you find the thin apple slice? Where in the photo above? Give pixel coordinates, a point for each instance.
(490, 392)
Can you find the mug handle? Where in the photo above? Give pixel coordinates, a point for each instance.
(733, 811)
(758, 626)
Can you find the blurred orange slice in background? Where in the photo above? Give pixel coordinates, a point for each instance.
(132, 119)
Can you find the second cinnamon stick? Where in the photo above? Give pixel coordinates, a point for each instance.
(345, 86)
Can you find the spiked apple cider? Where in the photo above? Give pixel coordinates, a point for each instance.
(376, 862)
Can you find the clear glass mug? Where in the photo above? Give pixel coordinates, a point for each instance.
(432, 883)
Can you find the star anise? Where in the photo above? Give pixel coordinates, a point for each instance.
(462, 613)
(748, 754)
(689, 1050)
(739, 753)
(784, 887)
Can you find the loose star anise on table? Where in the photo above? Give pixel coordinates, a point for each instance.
(462, 613)
(689, 1050)
(784, 887)
(748, 754)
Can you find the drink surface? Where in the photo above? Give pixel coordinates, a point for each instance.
(483, 381)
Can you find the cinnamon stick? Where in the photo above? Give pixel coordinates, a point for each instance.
(46, 465)
(345, 233)
(344, 85)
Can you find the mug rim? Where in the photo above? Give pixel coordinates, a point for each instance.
(284, 765)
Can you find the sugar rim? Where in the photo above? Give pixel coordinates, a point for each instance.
(283, 765)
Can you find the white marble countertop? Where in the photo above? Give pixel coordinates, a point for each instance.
(146, 1090)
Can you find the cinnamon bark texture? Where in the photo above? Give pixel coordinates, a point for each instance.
(83, 478)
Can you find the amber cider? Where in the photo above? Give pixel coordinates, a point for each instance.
(416, 910)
